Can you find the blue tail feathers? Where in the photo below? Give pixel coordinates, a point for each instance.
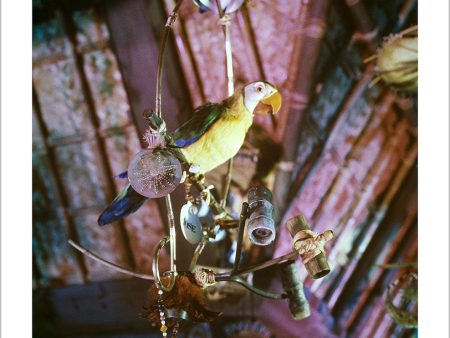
(127, 202)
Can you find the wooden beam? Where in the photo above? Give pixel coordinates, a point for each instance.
(352, 223)
(307, 51)
(61, 194)
(388, 257)
(381, 321)
(337, 296)
(121, 235)
(366, 149)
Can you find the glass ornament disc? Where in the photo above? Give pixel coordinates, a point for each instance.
(154, 172)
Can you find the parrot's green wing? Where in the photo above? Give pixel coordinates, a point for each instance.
(202, 119)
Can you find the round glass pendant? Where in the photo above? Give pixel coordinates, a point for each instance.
(154, 172)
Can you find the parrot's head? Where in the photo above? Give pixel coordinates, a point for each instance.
(262, 92)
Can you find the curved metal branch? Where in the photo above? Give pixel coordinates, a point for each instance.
(170, 21)
(255, 290)
(109, 264)
(253, 268)
(155, 267)
(243, 218)
(170, 215)
(198, 251)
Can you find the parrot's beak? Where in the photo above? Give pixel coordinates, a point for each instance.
(274, 101)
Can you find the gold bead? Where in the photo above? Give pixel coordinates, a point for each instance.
(163, 328)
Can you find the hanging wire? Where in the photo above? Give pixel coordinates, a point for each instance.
(109, 264)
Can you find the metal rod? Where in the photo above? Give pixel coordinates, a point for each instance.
(170, 215)
(243, 218)
(109, 264)
(255, 290)
(226, 22)
(172, 234)
(253, 268)
(229, 58)
(227, 183)
(170, 20)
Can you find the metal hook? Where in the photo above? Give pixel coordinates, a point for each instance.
(155, 267)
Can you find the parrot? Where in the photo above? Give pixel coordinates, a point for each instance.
(214, 134)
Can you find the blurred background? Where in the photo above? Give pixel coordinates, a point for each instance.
(342, 152)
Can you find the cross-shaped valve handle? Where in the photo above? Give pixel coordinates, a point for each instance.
(309, 246)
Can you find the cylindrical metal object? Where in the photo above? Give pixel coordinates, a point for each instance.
(298, 304)
(228, 6)
(261, 225)
(178, 315)
(318, 266)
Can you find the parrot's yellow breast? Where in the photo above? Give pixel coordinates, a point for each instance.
(220, 143)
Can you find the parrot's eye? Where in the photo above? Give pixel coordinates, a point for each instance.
(259, 88)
